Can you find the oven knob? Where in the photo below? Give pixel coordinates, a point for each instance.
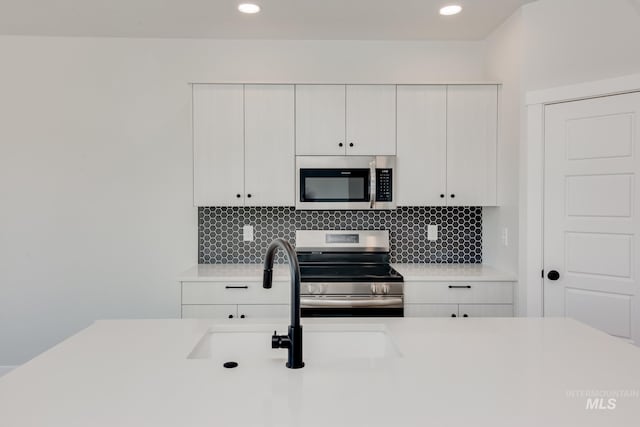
(312, 289)
(385, 289)
(374, 289)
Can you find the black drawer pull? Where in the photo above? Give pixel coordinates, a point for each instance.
(459, 286)
(236, 287)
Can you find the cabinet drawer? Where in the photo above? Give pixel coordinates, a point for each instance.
(222, 311)
(431, 310)
(234, 293)
(486, 310)
(458, 292)
(263, 311)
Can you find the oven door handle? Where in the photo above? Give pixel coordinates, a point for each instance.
(323, 302)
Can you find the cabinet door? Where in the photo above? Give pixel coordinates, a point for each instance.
(471, 145)
(486, 310)
(371, 120)
(225, 311)
(263, 311)
(218, 145)
(431, 310)
(320, 120)
(421, 161)
(269, 145)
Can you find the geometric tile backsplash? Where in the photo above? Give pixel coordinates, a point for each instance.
(460, 229)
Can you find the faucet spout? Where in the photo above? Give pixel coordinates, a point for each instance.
(293, 340)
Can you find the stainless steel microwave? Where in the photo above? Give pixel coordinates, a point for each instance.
(345, 182)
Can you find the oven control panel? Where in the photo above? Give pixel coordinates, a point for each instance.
(384, 185)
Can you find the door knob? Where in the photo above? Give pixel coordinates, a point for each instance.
(553, 275)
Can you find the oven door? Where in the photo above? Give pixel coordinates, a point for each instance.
(351, 306)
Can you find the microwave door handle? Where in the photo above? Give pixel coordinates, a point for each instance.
(372, 180)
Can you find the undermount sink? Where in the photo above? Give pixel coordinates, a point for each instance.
(324, 343)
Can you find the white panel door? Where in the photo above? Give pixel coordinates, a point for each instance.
(422, 146)
(472, 115)
(218, 145)
(320, 120)
(371, 120)
(269, 145)
(591, 213)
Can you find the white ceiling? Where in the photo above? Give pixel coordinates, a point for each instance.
(279, 19)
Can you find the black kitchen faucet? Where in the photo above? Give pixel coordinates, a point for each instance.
(292, 341)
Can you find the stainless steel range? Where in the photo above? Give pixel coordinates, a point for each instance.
(347, 273)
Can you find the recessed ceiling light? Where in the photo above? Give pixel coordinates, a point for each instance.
(248, 8)
(450, 10)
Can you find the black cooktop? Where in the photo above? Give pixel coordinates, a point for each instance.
(349, 273)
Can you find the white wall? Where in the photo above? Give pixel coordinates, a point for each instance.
(504, 63)
(573, 41)
(96, 217)
(566, 42)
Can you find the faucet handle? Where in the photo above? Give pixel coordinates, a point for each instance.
(280, 341)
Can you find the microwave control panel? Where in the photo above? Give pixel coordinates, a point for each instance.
(384, 185)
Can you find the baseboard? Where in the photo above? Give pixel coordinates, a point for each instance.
(6, 369)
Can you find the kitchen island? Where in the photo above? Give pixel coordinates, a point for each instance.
(441, 372)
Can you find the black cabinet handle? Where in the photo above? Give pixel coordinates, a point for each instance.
(465, 315)
(249, 195)
(351, 144)
(242, 316)
(236, 287)
(453, 196)
(231, 316)
(442, 196)
(454, 315)
(459, 286)
(340, 144)
(553, 275)
(238, 196)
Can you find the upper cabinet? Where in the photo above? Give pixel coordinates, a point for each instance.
(345, 119)
(243, 141)
(245, 138)
(447, 142)
(472, 128)
(320, 120)
(421, 164)
(218, 145)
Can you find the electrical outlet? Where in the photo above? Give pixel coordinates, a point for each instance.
(505, 236)
(432, 232)
(247, 233)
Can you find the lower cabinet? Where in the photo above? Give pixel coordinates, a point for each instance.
(234, 300)
(458, 310)
(456, 299)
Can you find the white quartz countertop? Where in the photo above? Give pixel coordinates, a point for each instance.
(452, 273)
(452, 372)
(231, 272)
(411, 272)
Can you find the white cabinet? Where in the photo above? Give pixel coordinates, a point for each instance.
(345, 120)
(218, 145)
(243, 144)
(422, 146)
(431, 310)
(472, 125)
(269, 167)
(233, 299)
(371, 120)
(447, 142)
(320, 120)
(458, 299)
